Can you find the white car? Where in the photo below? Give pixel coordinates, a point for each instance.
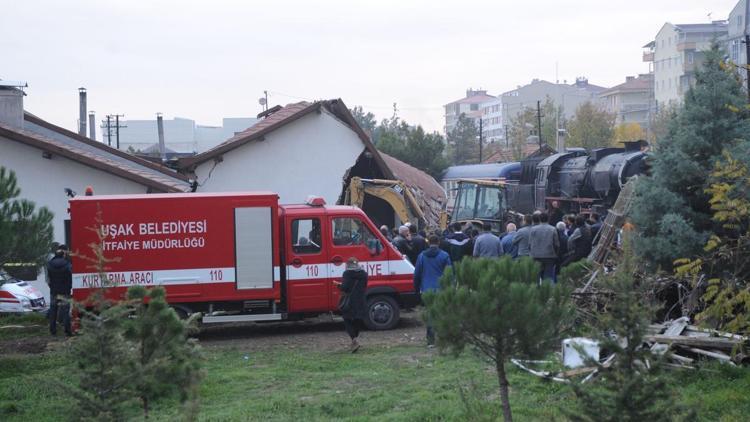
(18, 296)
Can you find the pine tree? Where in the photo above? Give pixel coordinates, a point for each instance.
(103, 361)
(25, 232)
(671, 208)
(632, 389)
(166, 360)
(497, 307)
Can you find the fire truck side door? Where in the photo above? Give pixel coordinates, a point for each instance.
(307, 264)
(352, 237)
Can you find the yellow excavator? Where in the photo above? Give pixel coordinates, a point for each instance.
(480, 201)
(395, 192)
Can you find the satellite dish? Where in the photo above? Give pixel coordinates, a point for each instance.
(262, 101)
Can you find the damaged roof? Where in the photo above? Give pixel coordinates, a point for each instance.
(54, 139)
(425, 188)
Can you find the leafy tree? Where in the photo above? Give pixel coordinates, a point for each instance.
(631, 388)
(166, 361)
(628, 132)
(413, 146)
(497, 307)
(525, 124)
(463, 141)
(659, 123)
(726, 260)
(522, 125)
(366, 120)
(590, 127)
(671, 207)
(25, 232)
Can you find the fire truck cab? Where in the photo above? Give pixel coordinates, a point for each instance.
(238, 256)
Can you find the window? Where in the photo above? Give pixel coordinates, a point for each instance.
(474, 107)
(690, 57)
(490, 203)
(349, 231)
(739, 21)
(306, 236)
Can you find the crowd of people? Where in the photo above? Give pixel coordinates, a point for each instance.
(551, 237)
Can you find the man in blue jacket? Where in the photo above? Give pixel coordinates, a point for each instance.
(430, 267)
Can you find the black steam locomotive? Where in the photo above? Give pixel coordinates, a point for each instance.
(580, 182)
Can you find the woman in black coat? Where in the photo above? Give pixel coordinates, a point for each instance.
(354, 284)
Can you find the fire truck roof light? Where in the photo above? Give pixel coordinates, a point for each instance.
(315, 201)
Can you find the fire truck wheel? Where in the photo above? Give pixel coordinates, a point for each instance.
(383, 313)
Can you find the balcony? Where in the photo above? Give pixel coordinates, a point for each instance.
(685, 45)
(648, 56)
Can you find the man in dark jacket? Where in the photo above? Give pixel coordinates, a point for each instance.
(430, 267)
(60, 278)
(354, 285)
(456, 243)
(402, 241)
(418, 244)
(579, 243)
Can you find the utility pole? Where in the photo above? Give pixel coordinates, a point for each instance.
(539, 121)
(117, 128)
(107, 126)
(747, 49)
(266, 103)
(480, 139)
(507, 141)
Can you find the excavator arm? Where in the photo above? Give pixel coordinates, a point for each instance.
(398, 196)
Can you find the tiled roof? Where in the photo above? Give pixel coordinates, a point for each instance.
(640, 83)
(101, 157)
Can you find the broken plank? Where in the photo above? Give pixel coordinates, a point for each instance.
(716, 355)
(576, 372)
(696, 329)
(707, 342)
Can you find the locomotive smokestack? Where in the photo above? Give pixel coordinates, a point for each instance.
(82, 111)
(160, 128)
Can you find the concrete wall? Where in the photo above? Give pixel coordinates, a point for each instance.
(43, 180)
(307, 156)
(667, 67)
(569, 97)
(11, 107)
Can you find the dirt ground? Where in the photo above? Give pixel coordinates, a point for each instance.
(322, 333)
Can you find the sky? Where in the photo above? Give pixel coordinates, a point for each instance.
(206, 60)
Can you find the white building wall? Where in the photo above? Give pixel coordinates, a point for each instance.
(179, 134)
(308, 156)
(492, 120)
(43, 180)
(667, 67)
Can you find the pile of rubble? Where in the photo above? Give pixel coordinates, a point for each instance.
(681, 343)
(687, 343)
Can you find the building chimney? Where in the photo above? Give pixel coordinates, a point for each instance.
(160, 129)
(11, 103)
(82, 111)
(92, 125)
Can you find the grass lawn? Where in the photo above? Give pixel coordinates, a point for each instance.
(402, 383)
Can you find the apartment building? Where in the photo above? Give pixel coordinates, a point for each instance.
(735, 40)
(567, 96)
(492, 120)
(631, 101)
(676, 51)
(471, 106)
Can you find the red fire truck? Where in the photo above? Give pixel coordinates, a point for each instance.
(238, 256)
